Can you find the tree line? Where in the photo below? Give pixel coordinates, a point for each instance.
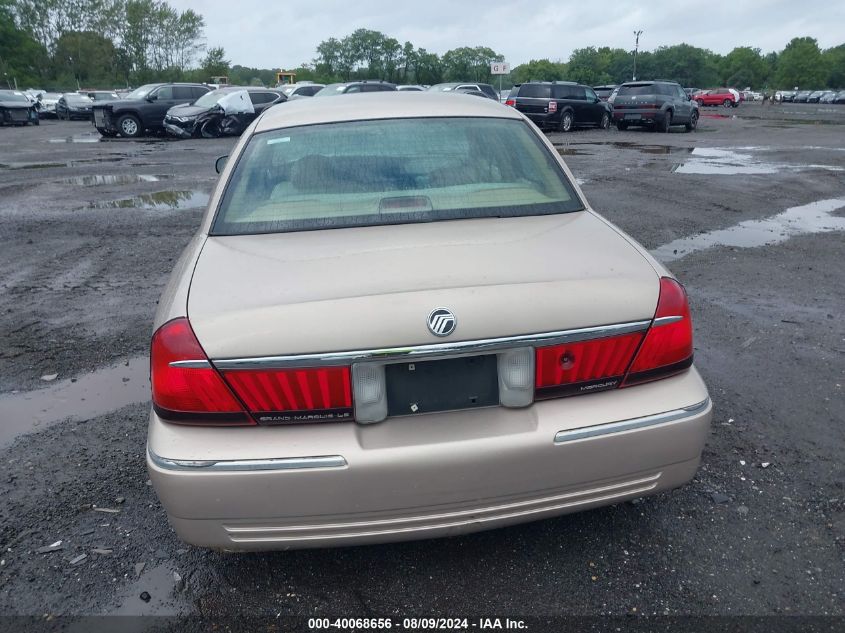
(801, 63)
(97, 43)
(113, 43)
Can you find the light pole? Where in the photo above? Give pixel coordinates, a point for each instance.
(636, 48)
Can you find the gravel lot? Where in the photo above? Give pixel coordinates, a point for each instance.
(91, 229)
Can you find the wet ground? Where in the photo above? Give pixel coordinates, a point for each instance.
(749, 212)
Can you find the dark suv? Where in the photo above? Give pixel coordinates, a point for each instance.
(560, 104)
(655, 104)
(351, 87)
(144, 108)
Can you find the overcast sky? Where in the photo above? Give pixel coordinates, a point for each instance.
(285, 34)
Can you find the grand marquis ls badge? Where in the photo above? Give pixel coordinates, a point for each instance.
(441, 322)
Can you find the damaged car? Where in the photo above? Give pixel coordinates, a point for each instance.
(222, 112)
(143, 109)
(17, 109)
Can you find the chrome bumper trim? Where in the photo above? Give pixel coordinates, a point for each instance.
(434, 350)
(676, 415)
(281, 463)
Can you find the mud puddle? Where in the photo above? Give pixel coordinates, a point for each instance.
(111, 179)
(159, 201)
(78, 138)
(815, 217)
(90, 395)
(574, 149)
(714, 161)
(157, 583)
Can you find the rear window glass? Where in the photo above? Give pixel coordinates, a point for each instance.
(642, 89)
(392, 171)
(535, 91)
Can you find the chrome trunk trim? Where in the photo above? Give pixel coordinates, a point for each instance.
(434, 350)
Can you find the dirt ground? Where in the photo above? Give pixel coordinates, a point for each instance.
(91, 229)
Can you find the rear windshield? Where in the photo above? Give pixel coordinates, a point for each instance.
(603, 92)
(536, 91)
(641, 89)
(394, 171)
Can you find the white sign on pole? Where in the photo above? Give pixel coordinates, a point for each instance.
(499, 68)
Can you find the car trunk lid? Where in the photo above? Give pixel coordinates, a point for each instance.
(374, 287)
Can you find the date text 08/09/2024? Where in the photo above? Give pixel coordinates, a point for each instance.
(416, 624)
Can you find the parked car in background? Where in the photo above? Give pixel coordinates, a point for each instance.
(72, 105)
(143, 109)
(717, 97)
(301, 400)
(300, 90)
(561, 105)
(692, 91)
(801, 96)
(487, 89)
(840, 97)
(604, 92)
(785, 96)
(827, 96)
(655, 104)
(814, 96)
(354, 87)
(410, 87)
(48, 101)
(222, 112)
(103, 95)
(17, 109)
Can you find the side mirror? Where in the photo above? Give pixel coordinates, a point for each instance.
(220, 163)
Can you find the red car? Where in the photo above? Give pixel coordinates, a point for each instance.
(717, 97)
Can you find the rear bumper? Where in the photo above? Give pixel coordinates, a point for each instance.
(639, 117)
(542, 119)
(426, 476)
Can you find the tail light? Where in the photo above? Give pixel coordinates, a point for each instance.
(583, 367)
(667, 348)
(621, 361)
(552, 106)
(510, 102)
(308, 394)
(185, 386)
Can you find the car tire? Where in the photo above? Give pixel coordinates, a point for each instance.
(129, 126)
(566, 122)
(666, 123)
(727, 103)
(605, 121)
(621, 126)
(209, 129)
(693, 122)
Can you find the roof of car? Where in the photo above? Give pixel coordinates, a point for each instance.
(382, 105)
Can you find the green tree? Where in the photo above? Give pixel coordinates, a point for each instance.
(688, 65)
(801, 64)
(538, 70)
(88, 57)
(22, 59)
(429, 69)
(215, 63)
(834, 59)
(744, 66)
(469, 64)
